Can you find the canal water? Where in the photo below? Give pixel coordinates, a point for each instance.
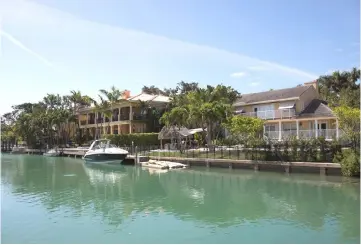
(60, 200)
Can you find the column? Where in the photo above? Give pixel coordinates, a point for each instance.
(130, 128)
(264, 130)
(337, 133)
(119, 129)
(298, 129)
(316, 128)
(87, 119)
(130, 112)
(279, 131)
(111, 129)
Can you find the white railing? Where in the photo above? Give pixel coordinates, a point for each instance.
(272, 114)
(328, 134)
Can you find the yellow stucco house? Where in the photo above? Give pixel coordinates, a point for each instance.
(296, 111)
(127, 116)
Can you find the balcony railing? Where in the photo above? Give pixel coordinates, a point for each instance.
(91, 121)
(100, 120)
(83, 122)
(272, 114)
(303, 134)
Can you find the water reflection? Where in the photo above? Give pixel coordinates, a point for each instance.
(216, 198)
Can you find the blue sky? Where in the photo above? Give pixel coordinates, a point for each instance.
(54, 46)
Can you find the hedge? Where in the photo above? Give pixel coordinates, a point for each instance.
(137, 138)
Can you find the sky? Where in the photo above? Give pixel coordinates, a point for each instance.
(55, 46)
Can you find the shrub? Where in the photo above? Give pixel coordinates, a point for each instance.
(294, 149)
(138, 139)
(350, 162)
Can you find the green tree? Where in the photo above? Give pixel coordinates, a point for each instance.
(341, 88)
(349, 124)
(244, 128)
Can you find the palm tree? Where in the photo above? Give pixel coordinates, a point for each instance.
(114, 96)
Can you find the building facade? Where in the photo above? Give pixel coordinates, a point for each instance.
(296, 111)
(128, 116)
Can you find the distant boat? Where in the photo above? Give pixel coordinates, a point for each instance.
(52, 153)
(101, 151)
(20, 149)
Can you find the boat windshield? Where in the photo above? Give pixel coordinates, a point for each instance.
(102, 144)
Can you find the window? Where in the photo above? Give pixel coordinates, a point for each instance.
(270, 127)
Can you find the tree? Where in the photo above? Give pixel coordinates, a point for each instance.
(153, 90)
(341, 88)
(206, 108)
(349, 124)
(244, 127)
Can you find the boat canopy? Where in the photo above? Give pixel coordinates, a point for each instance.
(175, 132)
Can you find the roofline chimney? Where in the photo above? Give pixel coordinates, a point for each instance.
(314, 83)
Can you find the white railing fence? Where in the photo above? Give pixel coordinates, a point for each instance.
(271, 114)
(328, 134)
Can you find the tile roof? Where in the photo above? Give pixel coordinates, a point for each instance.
(279, 94)
(149, 97)
(317, 108)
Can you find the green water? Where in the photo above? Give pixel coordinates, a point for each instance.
(59, 200)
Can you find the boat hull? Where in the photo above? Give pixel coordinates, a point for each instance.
(105, 158)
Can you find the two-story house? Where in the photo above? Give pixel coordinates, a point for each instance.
(128, 115)
(296, 111)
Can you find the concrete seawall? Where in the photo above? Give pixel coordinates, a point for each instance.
(287, 167)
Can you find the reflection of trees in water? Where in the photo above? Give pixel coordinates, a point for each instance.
(215, 198)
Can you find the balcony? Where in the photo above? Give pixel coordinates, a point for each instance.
(271, 114)
(100, 120)
(138, 116)
(83, 122)
(115, 118)
(91, 121)
(124, 117)
(328, 134)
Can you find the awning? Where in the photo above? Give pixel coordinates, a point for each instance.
(286, 105)
(239, 111)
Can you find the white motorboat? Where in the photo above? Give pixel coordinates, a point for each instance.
(20, 149)
(101, 151)
(52, 153)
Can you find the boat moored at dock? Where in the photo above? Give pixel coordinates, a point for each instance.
(101, 151)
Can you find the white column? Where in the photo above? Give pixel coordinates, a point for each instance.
(131, 112)
(337, 134)
(297, 129)
(316, 128)
(264, 129)
(279, 130)
(87, 119)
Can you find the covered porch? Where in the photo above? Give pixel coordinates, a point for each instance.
(305, 128)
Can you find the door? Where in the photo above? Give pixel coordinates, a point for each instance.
(322, 129)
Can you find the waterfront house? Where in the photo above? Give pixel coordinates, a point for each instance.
(129, 115)
(296, 111)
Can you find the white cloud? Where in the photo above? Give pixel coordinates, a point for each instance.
(238, 74)
(73, 37)
(254, 84)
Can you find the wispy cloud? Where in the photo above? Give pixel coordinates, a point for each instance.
(254, 84)
(78, 38)
(23, 47)
(238, 74)
(258, 68)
